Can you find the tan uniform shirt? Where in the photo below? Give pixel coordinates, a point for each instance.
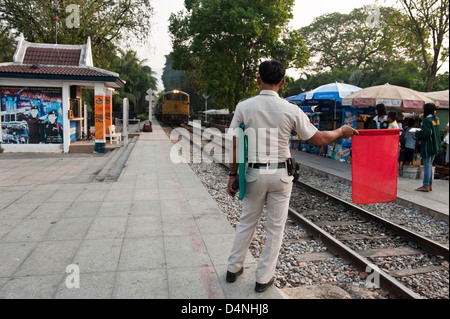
(268, 121)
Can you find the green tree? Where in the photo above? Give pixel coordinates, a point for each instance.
(311, 81)
(7, 46)
(109, 23)
(396, 72)
(346, 48)
(173, 79)
(139, 78)
(338, 40)
(442, 82)
(225, 40)
(428, 23)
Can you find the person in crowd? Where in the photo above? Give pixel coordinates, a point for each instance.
(410, 142)
(380, 120)
(430, 144)
(392, 119)
(400, 121)
(294, 140)
(267, 179)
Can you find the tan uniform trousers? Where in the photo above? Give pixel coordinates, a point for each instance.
(264, 186)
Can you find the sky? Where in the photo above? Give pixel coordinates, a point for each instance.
(304, 12)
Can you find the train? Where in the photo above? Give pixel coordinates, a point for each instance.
(173, 107)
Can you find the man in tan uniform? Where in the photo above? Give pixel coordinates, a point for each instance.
(271, 120)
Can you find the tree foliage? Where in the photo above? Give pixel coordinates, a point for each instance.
(7, 46)
(345, 48)
(109, 23)
(220, 44)
(338, 40)
(139, 78)
(173, 79)
(428, 23)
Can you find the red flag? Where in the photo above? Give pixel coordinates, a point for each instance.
(375, 166)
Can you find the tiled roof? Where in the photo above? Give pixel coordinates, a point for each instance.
(53, 70)
(56, 62)
(52, 56)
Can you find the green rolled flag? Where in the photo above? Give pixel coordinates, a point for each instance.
(243, 150)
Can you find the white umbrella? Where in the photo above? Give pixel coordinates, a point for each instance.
(217, 112)
(441, 97)
(390, 95)
(332, 91)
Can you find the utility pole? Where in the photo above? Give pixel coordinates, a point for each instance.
(149, 98)
(55, 8)
(206, 96)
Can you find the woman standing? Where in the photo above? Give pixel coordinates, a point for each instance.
(380, 120)
(430, 139)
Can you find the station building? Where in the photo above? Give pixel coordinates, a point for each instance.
(41, 104)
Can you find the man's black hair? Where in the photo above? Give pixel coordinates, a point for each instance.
(381, 108)
(392, 115)
(429, 108)
(272, 71)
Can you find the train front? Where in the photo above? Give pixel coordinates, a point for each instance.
(175, 107)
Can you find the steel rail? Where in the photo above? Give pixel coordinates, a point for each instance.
(424, 243)
(386, 282)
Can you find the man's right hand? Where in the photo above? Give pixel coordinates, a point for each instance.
(230, 189)
(348, 131)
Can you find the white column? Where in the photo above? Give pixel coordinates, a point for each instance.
(125, 122)
(85, 121)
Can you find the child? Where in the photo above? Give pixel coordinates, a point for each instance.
(410, 142)
(392, 119)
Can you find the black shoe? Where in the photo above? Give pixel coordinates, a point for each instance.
(232, 276)
(263, 287)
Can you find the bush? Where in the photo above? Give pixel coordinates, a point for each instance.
(143, 117)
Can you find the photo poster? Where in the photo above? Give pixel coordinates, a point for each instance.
(99, 118)
(349, 117)
(31, 115)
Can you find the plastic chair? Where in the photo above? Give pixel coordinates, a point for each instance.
(113, 136)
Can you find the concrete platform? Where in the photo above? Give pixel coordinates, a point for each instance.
(155, 233)
(435, 203)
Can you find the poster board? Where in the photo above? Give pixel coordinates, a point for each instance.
(31, 115)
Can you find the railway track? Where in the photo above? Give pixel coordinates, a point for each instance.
(370, 243)
(344, 226)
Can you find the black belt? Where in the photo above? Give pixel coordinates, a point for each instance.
(259, 165)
